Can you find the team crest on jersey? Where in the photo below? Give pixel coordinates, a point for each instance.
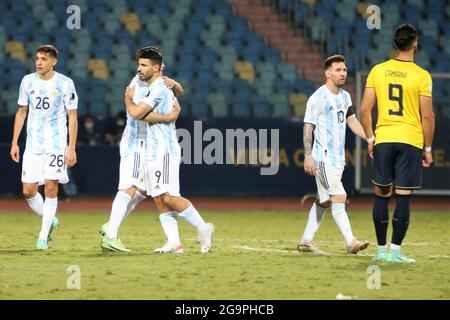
(54, 93)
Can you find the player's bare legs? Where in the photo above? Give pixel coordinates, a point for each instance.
(187, 211)
(341, 218)
(168, 220)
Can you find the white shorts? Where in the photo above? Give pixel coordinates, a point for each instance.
(36, 168)
(328, 180)
(162, 175)
(132, 173)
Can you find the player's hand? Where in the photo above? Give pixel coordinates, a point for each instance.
(370, 149)
(71, 158)
(170, 83)
(309, 165)
(15, 153)
(427, 159)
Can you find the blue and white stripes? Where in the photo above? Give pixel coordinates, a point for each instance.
(47, 101)
(327, 111)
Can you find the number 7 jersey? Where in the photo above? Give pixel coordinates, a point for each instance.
(47, 101)
(398, 86)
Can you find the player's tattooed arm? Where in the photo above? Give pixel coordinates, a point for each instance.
(307, 138)
(154, 117)
(139, 111)
(177, 88)
(308, 165)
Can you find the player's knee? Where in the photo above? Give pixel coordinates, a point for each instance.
(342, 198)
(383, 191)
(130, 191)
(403, 192)
(166, 198)
(28, 193)
(158, 201)
(326, 204)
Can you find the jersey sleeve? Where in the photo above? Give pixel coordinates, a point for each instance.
(23, 96)
(155, 97)
(71, 97)
(350, 112)
(349, 99)
(133, 82)
(370, 80)
(312, 112)
(426, 86)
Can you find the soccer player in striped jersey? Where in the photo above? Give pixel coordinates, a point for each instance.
(328, 112)
(48, 97)
(401, 145)
(133, 150)
(163, 153)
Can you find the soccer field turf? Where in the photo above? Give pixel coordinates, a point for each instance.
(254, 257)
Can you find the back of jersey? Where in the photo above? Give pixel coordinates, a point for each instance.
(398, 85)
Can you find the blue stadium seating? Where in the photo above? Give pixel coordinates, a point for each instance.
(203, 55)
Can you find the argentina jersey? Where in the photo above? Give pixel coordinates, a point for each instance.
(328, 113)
(47, 101)
(135, 130)
(161, 137)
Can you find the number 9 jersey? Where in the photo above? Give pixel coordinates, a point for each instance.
(47, 101)
(398, 86)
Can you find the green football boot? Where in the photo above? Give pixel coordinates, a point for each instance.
(113, 244)
(53, 227)
(103, 229)
(381, 255)
(41, 245)
(396, 256)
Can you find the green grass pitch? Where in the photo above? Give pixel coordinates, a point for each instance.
(253, 257)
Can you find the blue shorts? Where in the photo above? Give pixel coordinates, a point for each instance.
(398, 165)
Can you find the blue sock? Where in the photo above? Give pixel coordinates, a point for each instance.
(400, 220)
(380, 214)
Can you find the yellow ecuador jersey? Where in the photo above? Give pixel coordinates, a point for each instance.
(398, 85)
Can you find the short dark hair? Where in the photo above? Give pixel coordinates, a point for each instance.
(404, 37)
(330, 60)
(151, 53)
(48, 48)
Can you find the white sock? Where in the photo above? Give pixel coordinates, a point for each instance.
(316, 215)
(192, 216)
(36, 204)
(118, 212)
(138, 197)
(48, 213)
(170, 226)
(395, 247)
(341, 219)
(381, 248)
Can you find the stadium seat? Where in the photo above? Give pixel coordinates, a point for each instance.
(131, 22)
(298, 103)
(218, 104)
(245, 71)
(280, 106)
